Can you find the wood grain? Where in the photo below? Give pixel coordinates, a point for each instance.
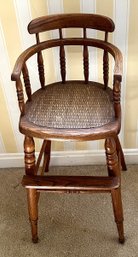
(71, 183)
(77, 20)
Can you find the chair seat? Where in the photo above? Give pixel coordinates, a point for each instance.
(73, 105)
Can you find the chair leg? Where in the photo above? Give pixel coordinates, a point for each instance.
(118, 212)
(33, 212)
(32, 195)
(29, 150)
(114, 170)
(47, 155)
(46, 150)
(112, 158)
(120, 154)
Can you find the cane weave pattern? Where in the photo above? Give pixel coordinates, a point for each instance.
(71, 105)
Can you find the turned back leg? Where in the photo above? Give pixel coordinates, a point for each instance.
(114, 170)
(47, 154)
(118, 212)
(120, 154)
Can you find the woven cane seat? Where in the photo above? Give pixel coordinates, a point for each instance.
(71, 105)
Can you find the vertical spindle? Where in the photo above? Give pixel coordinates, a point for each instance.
(20, 96)
(62, 59)
(116, 94)
(40, 64)
(85, 59)
(106, 64)
(27, 81)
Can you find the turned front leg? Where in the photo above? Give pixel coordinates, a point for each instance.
(33, 212)
(29, 151)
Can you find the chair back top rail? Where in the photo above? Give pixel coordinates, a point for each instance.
(75, 20)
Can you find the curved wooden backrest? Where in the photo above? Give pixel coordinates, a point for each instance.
(72, 20)
(59, 22)
(75, 20)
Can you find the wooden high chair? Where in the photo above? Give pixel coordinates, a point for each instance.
(80, 110)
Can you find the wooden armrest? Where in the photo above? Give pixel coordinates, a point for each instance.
(113, 50)
(23, 57)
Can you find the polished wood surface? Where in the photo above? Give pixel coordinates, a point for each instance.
(29, 151)
(112, 49)
(34, 180)
(72, 20)
(27, 82)
(33, 212)
(71, 183)
(114, 171)
(106, 68)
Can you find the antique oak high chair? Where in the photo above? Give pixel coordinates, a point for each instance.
(71, 110)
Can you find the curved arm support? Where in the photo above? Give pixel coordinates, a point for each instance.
(113, 50)
(117, 94)
(20, 96)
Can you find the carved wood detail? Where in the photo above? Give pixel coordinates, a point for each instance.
(111, 157)
(114, 171)
(29, 150)
(40, 64)
(41, 69)
(117, 91)
(117, 95)
(27, 81)
(20, 96)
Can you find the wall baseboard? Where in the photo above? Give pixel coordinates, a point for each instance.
(67, 158)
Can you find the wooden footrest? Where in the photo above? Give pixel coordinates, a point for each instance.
(70, 183)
